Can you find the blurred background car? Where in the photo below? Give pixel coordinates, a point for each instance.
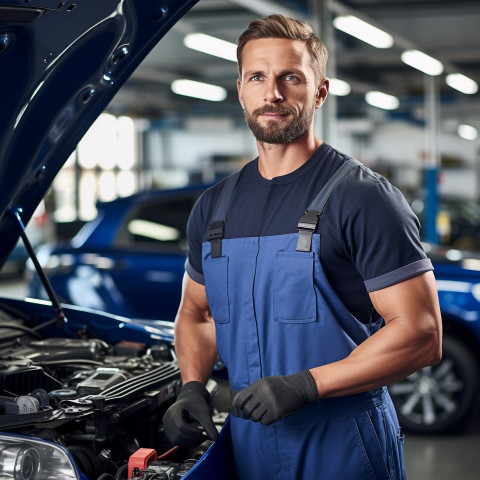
(128, 261)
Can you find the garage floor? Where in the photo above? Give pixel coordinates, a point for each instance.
(455, 457)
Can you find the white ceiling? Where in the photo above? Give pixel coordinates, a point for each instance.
(447, 30)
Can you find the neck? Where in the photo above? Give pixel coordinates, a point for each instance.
(275, 160)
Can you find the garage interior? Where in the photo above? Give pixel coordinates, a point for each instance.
(174, 139)
(425, 140)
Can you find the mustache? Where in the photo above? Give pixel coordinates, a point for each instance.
(272, 109)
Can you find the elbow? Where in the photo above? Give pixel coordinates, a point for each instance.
(436, 356)
(433, 347)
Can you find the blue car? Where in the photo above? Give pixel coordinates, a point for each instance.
(82, 393)
(128, 261)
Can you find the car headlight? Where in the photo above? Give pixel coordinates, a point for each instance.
(24, 458)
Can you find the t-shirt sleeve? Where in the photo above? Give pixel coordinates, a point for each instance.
(195, 229)
(382, 236)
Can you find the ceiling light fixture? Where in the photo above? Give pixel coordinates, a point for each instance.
(462, 83)
(211, 45)
(382, 100)
(339, 87)
(467, 132)
(363, 31)
(423, 62)
(205, 91)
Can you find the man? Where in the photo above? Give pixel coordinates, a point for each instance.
(292, 294)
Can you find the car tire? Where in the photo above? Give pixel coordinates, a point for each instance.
(440, 398)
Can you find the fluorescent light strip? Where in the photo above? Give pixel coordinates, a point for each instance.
(382, 100)
(205, 91)
(211, 46)
(339, 87)
(467, 132)
(363, 31)
(423, 62)
(462, 83)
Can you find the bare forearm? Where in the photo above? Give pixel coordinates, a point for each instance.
(195, 343)
(195, 347)
(393, 353)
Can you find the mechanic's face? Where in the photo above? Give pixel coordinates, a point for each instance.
(278, 89)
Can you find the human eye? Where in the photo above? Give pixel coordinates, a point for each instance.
(291, 78)
(256, 78)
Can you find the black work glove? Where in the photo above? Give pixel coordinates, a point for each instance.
(188, 422)
(273, 398)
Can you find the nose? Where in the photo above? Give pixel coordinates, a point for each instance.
(272, 92)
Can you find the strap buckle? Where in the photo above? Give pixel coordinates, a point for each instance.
(306, 228)
(215, 235)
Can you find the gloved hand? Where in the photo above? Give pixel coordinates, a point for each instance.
(273, 398)
(188, 422)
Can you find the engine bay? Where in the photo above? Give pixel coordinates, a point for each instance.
(103, 402)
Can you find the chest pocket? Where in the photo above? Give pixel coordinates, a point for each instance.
(293, 290)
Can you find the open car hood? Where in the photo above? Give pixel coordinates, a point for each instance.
(60, 65)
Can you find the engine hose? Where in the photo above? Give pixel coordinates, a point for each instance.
(122, 473)
(106, 476)
(86, 459)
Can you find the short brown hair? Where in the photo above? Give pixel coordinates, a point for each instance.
(279, 26)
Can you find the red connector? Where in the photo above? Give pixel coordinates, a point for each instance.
(141, 458)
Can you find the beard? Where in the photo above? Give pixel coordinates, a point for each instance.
(277, 132)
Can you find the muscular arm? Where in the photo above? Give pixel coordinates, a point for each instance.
(195, 343)
(409, 341)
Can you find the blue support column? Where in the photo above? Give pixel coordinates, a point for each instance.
(432, 164)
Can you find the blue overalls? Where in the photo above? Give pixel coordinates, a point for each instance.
(275, 313)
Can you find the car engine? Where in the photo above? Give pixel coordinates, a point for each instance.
(103, 402)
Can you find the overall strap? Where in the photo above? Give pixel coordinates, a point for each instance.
(309, 220)
(217, 226)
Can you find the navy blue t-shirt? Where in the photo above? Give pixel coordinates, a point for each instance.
(369, 234)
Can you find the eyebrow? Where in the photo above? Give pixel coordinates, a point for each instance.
(290, 71)
(253, 73)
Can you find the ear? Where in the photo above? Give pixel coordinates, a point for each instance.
(322, 92)
(239, 90)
